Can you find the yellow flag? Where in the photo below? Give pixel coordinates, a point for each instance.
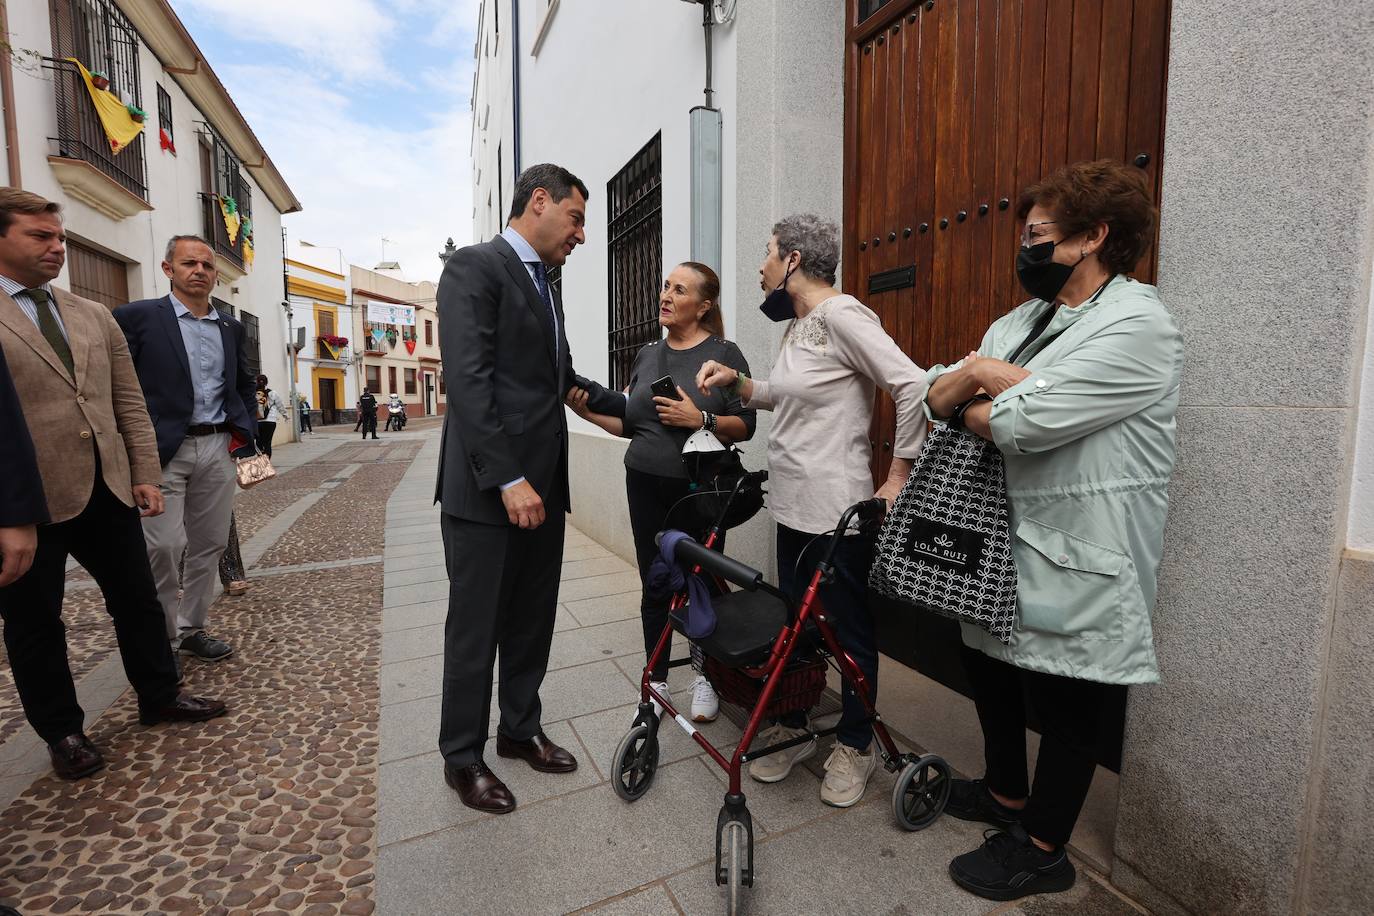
(231, 220)
(120, 127)
(248, 253)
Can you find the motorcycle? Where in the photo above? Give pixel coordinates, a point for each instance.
(397, 420)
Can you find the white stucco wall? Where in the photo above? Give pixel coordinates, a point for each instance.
(493, 122)
(174, 183)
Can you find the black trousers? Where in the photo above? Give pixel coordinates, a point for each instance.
(503, 595)
(650, 498)
(107, 539)
(1070, 713)
(266, 429)
(369, 422)
(846, 605)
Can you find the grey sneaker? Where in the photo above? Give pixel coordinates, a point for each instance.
(776, 766)
(205, 648)
(847, 771)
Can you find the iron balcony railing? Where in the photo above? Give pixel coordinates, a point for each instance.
(217, 234)
(81, 136)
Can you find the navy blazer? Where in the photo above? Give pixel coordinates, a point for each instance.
(164, 371)
(21, 486)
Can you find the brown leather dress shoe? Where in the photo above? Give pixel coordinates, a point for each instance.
(539, 752)
(75, 757)
(183, 709)
(479, 788)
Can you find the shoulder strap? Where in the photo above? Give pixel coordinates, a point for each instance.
(1040, 324)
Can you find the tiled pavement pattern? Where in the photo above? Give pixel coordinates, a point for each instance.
(270, 809)
(326, 772)
(572, 845)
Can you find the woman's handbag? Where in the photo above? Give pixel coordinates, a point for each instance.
(945, 545)
(253, 470)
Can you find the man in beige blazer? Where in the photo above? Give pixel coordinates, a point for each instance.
(98, 459)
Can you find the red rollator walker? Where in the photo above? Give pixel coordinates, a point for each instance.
(769, 657)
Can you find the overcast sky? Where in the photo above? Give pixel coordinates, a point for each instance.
(364, 107)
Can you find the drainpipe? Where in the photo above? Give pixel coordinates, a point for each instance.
(7, 100)
(707, 140)
(515, 83)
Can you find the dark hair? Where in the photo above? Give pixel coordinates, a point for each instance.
(17, 200)
(708, 285)
(555, 179)
(1084, 194)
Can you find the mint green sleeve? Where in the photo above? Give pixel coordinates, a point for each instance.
(1122, 369)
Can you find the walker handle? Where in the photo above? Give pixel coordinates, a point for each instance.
(717, 563)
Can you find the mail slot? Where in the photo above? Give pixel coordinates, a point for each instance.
(888, 280)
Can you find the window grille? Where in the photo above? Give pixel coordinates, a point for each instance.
(97, 34)
(164, 112)
(251, 342)
(635, 204)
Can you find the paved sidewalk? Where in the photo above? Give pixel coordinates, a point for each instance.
(572, 845)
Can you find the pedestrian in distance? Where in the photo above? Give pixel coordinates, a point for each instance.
(367, 413)
(192, 362)
(503, 481)
(271, 411)
(70, 366)
(304, 407)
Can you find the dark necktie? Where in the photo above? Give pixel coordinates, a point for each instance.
(541, 283)
(52, 332)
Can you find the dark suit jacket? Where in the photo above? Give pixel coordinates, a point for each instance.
(164, 370)
(21, 486)
(506, 377)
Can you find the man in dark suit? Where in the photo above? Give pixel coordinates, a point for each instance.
(22, 506)
(98, 460)
(193, 367)
(503, 480)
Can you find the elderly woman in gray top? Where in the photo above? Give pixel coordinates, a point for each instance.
(658, 426)
(834, 356)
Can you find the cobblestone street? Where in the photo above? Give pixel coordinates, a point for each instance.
(322, 791)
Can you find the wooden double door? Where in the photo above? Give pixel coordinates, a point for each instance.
(953, 107)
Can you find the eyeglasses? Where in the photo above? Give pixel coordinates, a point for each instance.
(1028, 237)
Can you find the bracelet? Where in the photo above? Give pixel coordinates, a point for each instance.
(736, 388)
(708, 421)
(956, 419)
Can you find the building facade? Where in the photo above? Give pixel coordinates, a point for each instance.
(1244, 775)
(323, 366)
(397, 329)
(196, 167)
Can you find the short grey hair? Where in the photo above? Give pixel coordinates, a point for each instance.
(817, 239)
(172, 245)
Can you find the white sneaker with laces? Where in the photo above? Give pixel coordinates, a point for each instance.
(662, 688)
(847, 771)
(705, 706)
(776, 766)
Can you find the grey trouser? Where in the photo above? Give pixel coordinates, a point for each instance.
(198, 487)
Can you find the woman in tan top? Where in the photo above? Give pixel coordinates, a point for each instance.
(834, 356)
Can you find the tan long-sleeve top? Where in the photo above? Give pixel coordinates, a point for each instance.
(821, 394)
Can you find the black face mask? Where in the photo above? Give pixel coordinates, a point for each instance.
(1040, 274)
(779, 305)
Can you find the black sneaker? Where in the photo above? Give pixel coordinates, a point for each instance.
(970, 800)
(205, 648)
(1009, 866)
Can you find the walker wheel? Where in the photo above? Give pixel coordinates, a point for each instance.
(634, 764)
(734, 852)
(919, 797)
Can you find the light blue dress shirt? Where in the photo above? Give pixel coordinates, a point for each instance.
(19, 293)
(205, 355)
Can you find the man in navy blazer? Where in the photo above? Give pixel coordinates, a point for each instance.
(193, 367)
(22, 506)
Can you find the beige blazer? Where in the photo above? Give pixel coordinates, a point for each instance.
(102, 410)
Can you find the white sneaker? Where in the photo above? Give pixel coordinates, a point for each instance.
(705, 706)
(846, 775)
(776, 766)
(661, 687)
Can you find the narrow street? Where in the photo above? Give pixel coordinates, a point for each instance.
(322, 791)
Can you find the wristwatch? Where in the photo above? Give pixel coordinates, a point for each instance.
(956, 419)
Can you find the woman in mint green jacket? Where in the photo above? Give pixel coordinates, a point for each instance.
(1085, 423)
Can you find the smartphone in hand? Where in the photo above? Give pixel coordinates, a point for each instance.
(665, 388)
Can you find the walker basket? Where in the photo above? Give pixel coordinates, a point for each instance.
(803, 682)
